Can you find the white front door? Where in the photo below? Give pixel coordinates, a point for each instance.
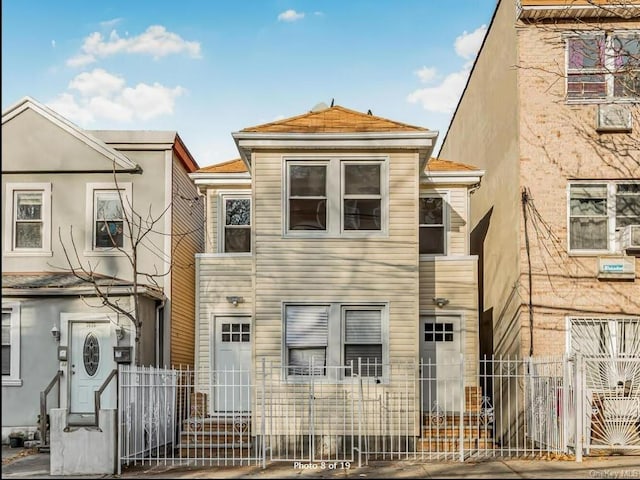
(440, 348)
(91, 362)
(232, 364)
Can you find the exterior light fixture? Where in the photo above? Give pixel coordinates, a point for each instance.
(119, 332)
(235, 300)
(441, 301)
(55, 333)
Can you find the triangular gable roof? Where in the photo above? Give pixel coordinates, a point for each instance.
(232, 166)
(336, 119)
(99, 146)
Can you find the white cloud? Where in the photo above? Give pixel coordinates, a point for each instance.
(53, 43)
(155, 41)
(468, 44)
(107, 24)
(100, 95)
(426, 74)
(443, 98)
(99, 82)
(290, 16)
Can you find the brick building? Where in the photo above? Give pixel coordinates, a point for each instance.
(551, 113)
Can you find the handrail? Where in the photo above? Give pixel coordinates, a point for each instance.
(98, 394)
(43, 406)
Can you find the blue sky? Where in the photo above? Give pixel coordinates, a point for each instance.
(207, 68)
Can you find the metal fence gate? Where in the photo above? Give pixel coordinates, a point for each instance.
(504, 407)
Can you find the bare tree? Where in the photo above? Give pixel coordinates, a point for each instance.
(121, 227)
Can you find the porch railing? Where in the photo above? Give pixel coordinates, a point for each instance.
(43, 419)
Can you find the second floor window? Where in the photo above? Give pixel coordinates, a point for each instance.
(108, 219)
(335, 197)
(237, 224)
(28, 219)
(599, 211)
(604, 66)
(432, 226)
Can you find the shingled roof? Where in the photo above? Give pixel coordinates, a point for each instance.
(440, 165)
(232, 166)
(334, 119)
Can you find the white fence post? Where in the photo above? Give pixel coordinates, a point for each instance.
(579, 399)
(461, 406)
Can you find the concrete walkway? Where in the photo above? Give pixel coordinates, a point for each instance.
(24, 463)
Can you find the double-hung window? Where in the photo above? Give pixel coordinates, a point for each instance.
(335, 340)
(11, 344)
(28, 218)
(598, 211)
(363, 340)
(236, 237)
(432, 226)
(307, 338)
(307, 191)
(603, 66)
(362, 196)
(335, 197)
(107, 221)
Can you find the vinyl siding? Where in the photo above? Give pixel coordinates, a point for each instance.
(455, 280)
(457, 211)
(187, 240)
(219, 277)
(368, 270)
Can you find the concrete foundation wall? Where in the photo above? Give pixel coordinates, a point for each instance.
(83, 450)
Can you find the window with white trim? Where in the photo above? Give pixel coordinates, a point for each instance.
(236, 215)
(330, 339)
(108, 205)
(603, 66)
(361, 196)
(28, 218)
(598, 211)
(307, 338)
(335, 197)
(432, 225)
(363, 340)
(11, 344)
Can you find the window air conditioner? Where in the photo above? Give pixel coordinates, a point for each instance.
(631, 238)
(613, 118)
(617, 267)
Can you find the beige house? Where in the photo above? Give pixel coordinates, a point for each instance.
(551, 113)
(64, 187)
(334, 238)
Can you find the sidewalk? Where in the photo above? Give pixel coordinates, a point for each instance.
(29, 464)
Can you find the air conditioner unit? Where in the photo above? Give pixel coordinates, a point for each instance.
(617, 267)
(631, 238)
(613, 118)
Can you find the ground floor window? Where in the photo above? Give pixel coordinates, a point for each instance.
(335, 340)
(605, 337)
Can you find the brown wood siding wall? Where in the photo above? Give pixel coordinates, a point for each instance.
(187, 240)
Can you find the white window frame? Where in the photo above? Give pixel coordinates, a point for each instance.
(614, 244)
(384, 342)
(10, 211)
(127, 200)
(335, 196)
(13, 379)
(335, 361)
(343, 196)
(444, 195)
(608, 69)
(222, 220)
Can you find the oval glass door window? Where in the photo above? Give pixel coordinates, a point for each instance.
(91, 354)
